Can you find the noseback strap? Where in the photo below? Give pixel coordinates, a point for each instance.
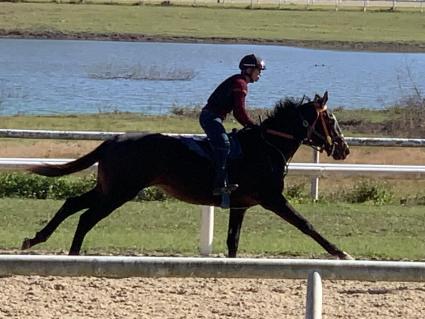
(325, 128)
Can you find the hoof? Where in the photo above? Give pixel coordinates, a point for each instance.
(345, 256)
(26, 244)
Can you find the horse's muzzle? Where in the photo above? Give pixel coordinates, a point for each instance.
(340, 149)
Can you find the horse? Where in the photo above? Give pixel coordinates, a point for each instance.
(130, 162)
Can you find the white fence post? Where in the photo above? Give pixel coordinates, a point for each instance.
(207, 230)
(337, 3)
(315, 179)
(314, 296)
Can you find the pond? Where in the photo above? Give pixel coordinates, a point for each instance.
(71, 76)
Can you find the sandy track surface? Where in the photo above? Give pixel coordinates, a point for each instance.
(57, 297)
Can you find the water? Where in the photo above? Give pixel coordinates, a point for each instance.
(58, 77)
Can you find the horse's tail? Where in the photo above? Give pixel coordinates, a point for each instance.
(53, 170)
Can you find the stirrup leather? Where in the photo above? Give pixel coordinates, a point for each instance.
(225, 190)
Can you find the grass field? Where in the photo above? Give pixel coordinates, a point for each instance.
(171, 227)
(212, 22)
(185, 120)
(123, 122)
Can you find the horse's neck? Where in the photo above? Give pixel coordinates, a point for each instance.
(286, 147)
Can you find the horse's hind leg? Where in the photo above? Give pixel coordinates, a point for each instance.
(235, 223)
(90, 218)
(71, 206)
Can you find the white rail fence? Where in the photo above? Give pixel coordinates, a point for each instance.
(309, 169)
(122, 267)
(278, 4)
(207, 213)
(93, 135)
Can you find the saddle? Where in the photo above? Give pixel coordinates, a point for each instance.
(202, 146)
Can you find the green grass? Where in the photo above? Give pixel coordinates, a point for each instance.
(208, 22)
(127, 122)
(115, 122)
(122, 122)
(172, 228)
(366, 115)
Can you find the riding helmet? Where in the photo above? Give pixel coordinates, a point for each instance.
(252, 61)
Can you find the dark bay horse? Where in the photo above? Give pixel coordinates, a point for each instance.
(131, 162)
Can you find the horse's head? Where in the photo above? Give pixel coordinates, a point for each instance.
(323, 131)
(310, 123)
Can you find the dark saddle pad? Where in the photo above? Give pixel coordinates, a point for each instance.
(202, 146)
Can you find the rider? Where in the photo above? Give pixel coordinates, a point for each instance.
(228, 97)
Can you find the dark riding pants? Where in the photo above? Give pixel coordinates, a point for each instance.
(213, 127)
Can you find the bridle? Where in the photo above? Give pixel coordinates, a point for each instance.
(307, 140)
(311, 130)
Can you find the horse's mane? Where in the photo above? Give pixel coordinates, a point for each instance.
(282, 107)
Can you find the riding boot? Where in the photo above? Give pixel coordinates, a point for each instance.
(221, 185)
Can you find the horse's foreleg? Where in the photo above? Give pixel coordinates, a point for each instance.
(71, 206)
(282, 208)
(235, 223)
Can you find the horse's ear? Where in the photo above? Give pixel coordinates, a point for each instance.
(325, 98)
(320, 102)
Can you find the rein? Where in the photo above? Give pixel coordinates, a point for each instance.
(310, 128)
(307, 140)
(280, 134)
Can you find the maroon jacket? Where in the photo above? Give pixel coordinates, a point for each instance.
(230, 96)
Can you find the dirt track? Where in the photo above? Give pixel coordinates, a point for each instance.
(55, 297)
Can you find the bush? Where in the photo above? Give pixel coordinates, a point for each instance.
(295, 192)
(19, 185)
(61, 188)
(417, 199)
(151, 194)
(365, 191)
(40, 187)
